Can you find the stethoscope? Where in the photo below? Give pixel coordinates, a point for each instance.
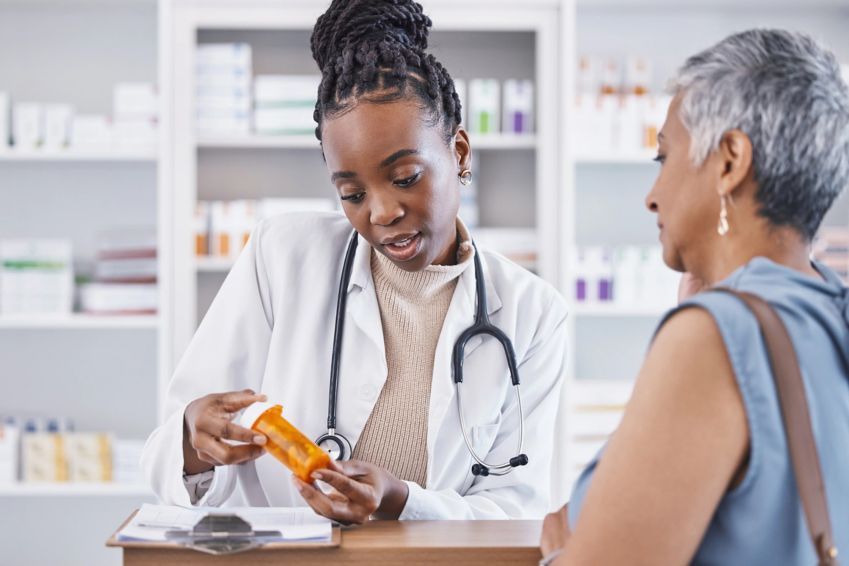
(339, 447)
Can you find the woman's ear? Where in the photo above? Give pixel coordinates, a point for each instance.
(462, 150)
(735, 157)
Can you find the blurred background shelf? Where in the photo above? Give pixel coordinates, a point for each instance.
(491, 141)
(74, 490)
(106, 155)
(214, 264)
(79, 321)
(610, 158)
(614, 311)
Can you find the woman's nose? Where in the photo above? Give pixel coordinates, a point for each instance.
(386, 211)
(650, 201)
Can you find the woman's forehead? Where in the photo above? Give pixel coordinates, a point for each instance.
(371, 131)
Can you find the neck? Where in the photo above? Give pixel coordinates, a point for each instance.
(448, 256)
(784, 246)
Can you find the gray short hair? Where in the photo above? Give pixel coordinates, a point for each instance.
(785, 92)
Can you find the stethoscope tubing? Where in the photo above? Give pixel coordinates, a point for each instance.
(481, 325)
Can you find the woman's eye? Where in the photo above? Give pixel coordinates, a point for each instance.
(355, 198)
(407, 181)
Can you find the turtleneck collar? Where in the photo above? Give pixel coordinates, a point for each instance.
(420, 286)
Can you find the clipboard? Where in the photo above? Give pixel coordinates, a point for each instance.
(114, 542)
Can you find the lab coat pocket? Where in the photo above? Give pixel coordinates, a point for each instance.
(483, 437)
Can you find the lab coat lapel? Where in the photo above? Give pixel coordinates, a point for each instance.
(461, 315)
(363, 368)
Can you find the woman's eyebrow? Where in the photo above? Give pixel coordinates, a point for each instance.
(342, 175)
(396, 156)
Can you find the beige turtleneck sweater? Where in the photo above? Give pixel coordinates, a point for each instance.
(413, 306)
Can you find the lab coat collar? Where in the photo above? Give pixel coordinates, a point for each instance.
(361, 277)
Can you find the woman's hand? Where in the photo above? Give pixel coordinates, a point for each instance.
(555, 532)
(361, 490)
(207, 424)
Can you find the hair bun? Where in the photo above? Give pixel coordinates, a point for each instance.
(349, 23)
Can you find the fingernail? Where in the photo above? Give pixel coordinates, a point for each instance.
(318, 476)
(259, 439)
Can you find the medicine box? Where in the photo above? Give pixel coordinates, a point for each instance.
(484, 106)
(57, 125)
(5, 120)
(518, 107)
(9, 447)
(28, 125)
(36, 277)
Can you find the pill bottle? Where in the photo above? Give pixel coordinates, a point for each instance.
(285, 442)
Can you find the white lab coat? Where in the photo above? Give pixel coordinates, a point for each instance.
(270, 329)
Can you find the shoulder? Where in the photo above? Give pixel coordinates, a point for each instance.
(302, 236)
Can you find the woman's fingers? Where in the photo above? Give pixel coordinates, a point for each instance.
(235, 401)
(231, 431)
(350, 488)
(342, 511)
(213, 451)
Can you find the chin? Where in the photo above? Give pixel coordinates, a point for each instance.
(673, 260)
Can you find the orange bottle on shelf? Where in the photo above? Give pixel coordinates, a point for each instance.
(285, 442)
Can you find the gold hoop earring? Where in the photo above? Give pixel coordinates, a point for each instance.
(723, 227)
(465, 177)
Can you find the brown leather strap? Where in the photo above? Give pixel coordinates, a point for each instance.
(797, 423)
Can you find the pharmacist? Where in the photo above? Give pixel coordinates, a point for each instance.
(408, 288)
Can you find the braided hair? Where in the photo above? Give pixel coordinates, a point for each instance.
(374, 50)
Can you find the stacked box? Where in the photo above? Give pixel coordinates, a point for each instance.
(484, 106)
(125, 274)
(9, 446)
(57, 125)
(28, 125)
(285, 104)
(223, 78)
(136, 114)
(36, 277)
(518, 107)
(5, 121)
(64, 457)
(222, 228)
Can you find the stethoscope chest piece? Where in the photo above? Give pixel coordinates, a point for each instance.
(336, 445)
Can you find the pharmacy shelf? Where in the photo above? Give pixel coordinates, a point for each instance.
(122, 155)
(503, 141)
(616, 311)
(491, 141)
(645, 157)
(214, 264)
(78, 321)
(257, 141)
(74, 490)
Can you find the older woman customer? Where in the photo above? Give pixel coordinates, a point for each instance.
(753, 153)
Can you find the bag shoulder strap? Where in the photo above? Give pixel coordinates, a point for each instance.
(797, 423)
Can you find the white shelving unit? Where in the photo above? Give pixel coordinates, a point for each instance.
(75, 490)
(99, 371)
(79, 322)
(491, 141)
(118, 155)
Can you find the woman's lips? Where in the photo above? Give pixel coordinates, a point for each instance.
(403, 250)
